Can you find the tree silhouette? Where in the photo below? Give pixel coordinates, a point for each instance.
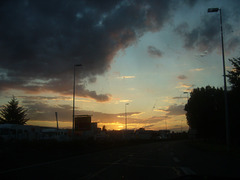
(12, 113)
(205, 108)
(234, 99)
(205, 112)
(234, 74)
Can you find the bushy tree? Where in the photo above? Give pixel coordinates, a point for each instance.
(205, 108)
(205, 112)
(234, 74)
(234, 99)
(12, 113)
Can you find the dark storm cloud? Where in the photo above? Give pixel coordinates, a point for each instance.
(206, 36)
(191, 3)
(41, 40)
(233, 44)
(153, 51)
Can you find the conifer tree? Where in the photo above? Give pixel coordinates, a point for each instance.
(12, 113)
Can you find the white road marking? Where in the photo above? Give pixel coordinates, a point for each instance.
(187, 171)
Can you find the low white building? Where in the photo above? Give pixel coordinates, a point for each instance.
(54, 133)
(19, 132)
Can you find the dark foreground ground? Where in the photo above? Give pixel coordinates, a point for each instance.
(182, 159)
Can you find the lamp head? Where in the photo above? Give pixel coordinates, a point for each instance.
(213, 9)
(77, 64)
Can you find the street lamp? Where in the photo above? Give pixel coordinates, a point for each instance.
(126, 115)
(75, 65)
(210, 10)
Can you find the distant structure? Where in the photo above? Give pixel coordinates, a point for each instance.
(10, 132)
(82, 122)
(84, 129)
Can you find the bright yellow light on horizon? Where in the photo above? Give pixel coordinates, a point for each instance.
(176, 123)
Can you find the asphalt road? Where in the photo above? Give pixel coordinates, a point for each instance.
(160, 160)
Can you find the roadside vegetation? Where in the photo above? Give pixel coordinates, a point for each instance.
(12, 113)
(206, 112)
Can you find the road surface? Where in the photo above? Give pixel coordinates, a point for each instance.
(160, 160)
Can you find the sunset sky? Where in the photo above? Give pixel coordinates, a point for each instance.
(145, 53)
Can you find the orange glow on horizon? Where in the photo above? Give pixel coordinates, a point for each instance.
(171, 124)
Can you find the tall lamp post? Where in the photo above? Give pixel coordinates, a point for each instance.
(210, 10)
(75, 65)
(126, 115)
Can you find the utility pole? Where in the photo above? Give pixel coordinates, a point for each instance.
(56, 114)
(126, 115)
(76, 65)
